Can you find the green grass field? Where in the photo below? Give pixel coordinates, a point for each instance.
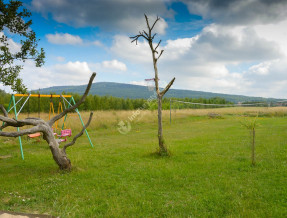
(209, 172)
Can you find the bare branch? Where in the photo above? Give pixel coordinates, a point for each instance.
(7, 120)
(157, 45)
(59, 116)
(4, 125)
(162, 93)
(153, 36)
(132, 37)
(157, 19)
(147, 23)
(160, 54)
(3, 110)
(147, 35)
(33, 118)
(144, 34)
(19, 123)
(135, 38)
(21, 132)
(79, 134)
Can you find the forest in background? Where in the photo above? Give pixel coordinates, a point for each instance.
(95, 102)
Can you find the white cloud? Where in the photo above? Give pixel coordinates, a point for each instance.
(123, 47)
(97, 43)
(200, 62)
(139, 24)
(71, 73)
(174, 49)
(64, 39)
(114, 65)
(139, 83)
(60, 59)
(276, 32)
(260, 69)
(68, 39)
(13, 46)
(234, 45)
(214, 44)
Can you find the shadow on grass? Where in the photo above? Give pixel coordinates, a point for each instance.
(158, 154)
(190, 152)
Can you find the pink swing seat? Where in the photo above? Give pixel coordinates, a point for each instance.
(65, 133)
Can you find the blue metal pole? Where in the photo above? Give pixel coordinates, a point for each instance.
(82, 121)
(18, 129)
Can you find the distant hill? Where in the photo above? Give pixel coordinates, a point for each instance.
(122, 90)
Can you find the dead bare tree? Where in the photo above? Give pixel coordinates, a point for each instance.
(39, 125)
(149, 37)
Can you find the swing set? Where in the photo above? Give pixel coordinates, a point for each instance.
(64, 132)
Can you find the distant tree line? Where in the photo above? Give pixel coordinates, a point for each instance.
(95, 102)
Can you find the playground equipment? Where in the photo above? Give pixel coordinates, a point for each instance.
(34, 135)
(52, 113)
(13, 106)
(64, 134)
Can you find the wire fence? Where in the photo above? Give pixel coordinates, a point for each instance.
(175, 104)
(222, 105)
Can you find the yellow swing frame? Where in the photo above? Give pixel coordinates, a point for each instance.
(52, 112)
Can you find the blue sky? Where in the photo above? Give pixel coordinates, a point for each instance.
(224, 46)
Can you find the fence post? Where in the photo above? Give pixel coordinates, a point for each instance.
(169, 111)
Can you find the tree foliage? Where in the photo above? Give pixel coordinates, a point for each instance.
(13, 21)
(96, 103)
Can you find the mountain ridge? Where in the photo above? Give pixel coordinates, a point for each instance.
(123, 90)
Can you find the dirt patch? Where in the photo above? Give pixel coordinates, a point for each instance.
(7, 214)
(5, 156)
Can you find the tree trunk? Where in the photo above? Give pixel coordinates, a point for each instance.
(162, 146)
(59, 155)
(253, 147)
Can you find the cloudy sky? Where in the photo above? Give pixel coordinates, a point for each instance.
(223, 46)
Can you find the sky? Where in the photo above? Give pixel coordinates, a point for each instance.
(222, 46)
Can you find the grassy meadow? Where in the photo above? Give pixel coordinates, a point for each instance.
(209, 172)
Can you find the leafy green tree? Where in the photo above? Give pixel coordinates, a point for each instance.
(13, 21)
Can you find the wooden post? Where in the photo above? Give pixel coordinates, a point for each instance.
(169, 111)
(253, 146)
